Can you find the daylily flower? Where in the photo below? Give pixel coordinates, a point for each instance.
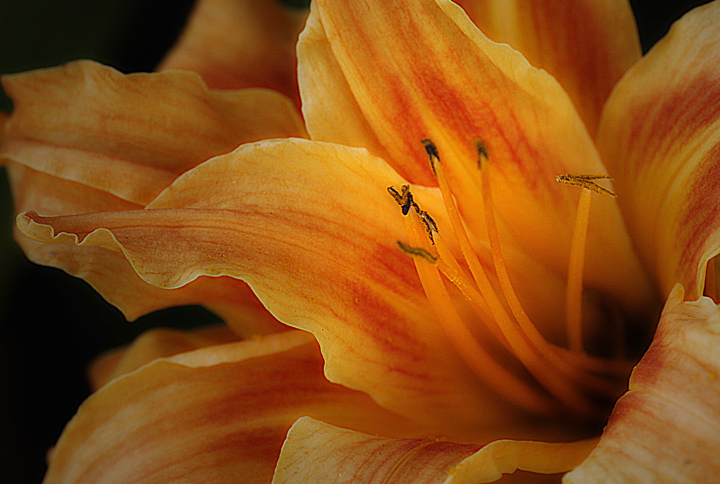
(429, 270)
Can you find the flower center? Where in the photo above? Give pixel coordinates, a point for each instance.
(507, 352)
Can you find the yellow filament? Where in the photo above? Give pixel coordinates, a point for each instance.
(499, 315)
(573, 299)
(478, 360)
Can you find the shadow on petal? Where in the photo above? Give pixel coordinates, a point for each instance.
(665, 428)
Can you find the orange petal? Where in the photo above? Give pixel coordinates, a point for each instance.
(660, 136)
(586, 45)
(665, 428)
(209, 415)
(317, 452)
(372, 78)
(131, 135)
(110, 273)
(236, 44)
(311, 228)
(151, 345)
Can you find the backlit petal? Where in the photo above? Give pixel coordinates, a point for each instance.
(665, 428)
(267, 211)
(660, 137)
(131, 135)
(372, 78)
(207, 416)
(317, 452)
(240, 43)
(586, 45)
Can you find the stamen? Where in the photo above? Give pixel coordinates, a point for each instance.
(493, 374)
(543, 364)
(526, 342)
(573, 297)
(562, 373)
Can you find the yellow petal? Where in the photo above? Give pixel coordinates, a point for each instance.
(311, 228)
(131, 135)
(586, 45)
(665, 428)
(317, 452)
(240, 43)
(217, 414)
(372, 78)
(659, 136)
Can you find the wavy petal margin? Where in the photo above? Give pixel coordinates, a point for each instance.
(85, 138)
(240, 43)
(206, 416)
(132, 135)
(372, 78)
(666, 428)
(587, 45)
(109, 271)
(317, 452)
(660, 138)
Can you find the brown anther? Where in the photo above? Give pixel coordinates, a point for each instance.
(430, 225)
(587, 181)
(482, 151)
(404, 198)
(432, 152)
(417, 252)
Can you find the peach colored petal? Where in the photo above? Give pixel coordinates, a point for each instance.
(666, 428)
(110, 273)
(317, 452)
(586, 45)
(216, 414)
(240, 43)
(372, 78)
(321, 256)
(660, 136)
(131, 135)
(151, 345)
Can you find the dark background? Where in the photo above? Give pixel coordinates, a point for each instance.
(51, 324)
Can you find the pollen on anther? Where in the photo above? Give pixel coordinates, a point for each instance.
(587, 181)
(417, 252)
(404, 198)
(430, 225)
